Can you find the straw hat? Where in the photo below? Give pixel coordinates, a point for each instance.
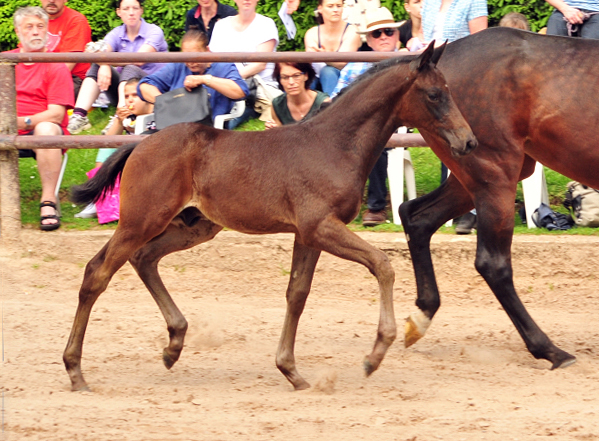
(379, 18)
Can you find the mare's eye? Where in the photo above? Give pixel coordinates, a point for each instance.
(434, 96)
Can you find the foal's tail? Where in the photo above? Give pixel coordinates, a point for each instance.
(105, 179)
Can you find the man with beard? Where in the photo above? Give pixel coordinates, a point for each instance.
(44, 93)
(68, 31)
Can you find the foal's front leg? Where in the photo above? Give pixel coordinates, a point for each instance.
(185, 231)
(300, 280)
(333, 236)
(421, 218)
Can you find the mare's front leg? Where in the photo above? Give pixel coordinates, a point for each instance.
(421, 218)
(333, 236)
(495, 217)
(186, 230)
(300, 280)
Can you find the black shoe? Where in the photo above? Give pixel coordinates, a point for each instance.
(466, 224)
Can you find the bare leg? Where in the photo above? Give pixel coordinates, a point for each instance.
(421, 218)
(88, 93)
(48, 164)
(187, 230)
(332, 235)
(302, 272)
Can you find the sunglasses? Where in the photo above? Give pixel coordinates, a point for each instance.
(388, 32)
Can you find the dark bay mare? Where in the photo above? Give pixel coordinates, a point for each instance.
(182, 185)
(527, 97)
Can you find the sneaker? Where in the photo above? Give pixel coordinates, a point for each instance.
(88, 212)
(373, 218)
(78, 123)
(102, 102)
(466, 224)
(109, 125)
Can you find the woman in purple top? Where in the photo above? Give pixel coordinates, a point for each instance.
(134, 35)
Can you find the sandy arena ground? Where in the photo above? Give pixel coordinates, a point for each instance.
(470, 378)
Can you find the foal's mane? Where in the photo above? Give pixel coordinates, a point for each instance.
(374, 70)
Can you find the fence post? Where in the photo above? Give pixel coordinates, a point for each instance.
(10, 207)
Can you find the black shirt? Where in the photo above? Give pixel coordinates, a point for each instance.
(191, 22)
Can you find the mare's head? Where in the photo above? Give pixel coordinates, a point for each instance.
(428, 105)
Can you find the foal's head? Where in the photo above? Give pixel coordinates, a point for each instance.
(428, 105)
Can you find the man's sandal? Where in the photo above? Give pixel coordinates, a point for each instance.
(49, 227)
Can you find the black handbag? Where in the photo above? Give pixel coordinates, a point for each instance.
(180, 106)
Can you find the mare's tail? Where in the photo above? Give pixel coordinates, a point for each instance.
(105, 178)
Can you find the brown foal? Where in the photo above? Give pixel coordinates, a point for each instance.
(182, 185)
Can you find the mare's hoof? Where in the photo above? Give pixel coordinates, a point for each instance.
(416, 325)
(168, 360)
(564, 362)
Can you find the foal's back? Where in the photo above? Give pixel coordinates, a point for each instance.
(538, 92)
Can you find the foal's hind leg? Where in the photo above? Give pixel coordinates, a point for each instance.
(186, 230)
(98, 273)
(421, 218)
(300, 280)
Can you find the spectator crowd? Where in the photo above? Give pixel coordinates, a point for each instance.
(55, 98)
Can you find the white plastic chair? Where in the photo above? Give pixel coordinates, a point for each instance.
(399, 166)
(534, 190)
(219, 121)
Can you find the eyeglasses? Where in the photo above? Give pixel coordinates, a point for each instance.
(295, 77)
(377, 33)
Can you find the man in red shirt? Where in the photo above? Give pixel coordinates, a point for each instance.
(68, 31)
(44, 93)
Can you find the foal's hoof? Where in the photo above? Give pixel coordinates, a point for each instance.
(369, 368)
(303, 385)
(168, 360)
(564, 362)
(80, 388)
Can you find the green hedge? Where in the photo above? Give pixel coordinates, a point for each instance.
(170, 16)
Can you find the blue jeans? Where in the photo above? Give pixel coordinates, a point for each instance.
(248, 114)
(377, 185)
(328, 79)
(558, 26)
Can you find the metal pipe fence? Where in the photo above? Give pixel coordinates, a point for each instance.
(10, 143)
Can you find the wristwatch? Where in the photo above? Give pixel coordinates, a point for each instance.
(28, 122)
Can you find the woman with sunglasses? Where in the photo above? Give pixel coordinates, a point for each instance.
(298, 102)
(331, 35)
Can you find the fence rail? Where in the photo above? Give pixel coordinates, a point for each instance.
(10, 143)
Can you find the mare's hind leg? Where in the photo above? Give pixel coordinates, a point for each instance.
(186, 230)
(300, 280)
(421, 218)
(333, 236)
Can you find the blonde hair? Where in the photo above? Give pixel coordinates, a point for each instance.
(515, 20)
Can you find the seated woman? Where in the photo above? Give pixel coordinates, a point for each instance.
(298, 102)
(222, 80)
(331, 35)
(134, 35)
(248, 32)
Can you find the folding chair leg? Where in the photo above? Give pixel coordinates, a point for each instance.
(65, 158)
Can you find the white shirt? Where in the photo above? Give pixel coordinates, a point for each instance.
(262, 29)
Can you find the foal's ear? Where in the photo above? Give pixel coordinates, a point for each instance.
(425, 57)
